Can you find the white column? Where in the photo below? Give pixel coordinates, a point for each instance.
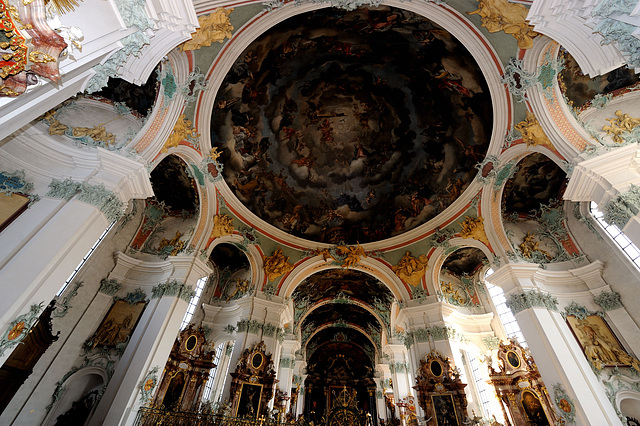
(152, 340)
(555, 350)
(42, 247)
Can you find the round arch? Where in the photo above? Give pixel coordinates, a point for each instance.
(453, 21)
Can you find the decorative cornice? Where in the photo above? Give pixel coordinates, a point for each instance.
(96, 195)
(531, 299)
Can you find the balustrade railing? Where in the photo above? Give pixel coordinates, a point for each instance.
(151, 416)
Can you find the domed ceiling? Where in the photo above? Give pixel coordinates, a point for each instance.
(352, 126)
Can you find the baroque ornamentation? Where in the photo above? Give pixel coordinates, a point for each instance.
(183, 130)
(622, 208)
(109, 286)
(222, 226)
(148, 384)
(214, 28)
(532, 133)
(474, 228)
(502, 15)
(529, 246)
(172, 288)
(277, 264)
(608, 300)
(619, 125)
(411, 269)
(96, 195)
(171, 247)
(343, 255)
(15, 183)
(63, 306)
(491, 342)
(531, 299)
(19, 328)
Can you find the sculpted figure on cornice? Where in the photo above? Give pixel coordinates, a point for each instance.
(411, 269)
(502, 15)
(620, 124)
(532, 133)
(277, 264)
(345, 256)
(529, 246)
(474, 228)
(214, 27)
(222, 226)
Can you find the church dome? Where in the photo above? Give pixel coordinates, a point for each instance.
(352, 126)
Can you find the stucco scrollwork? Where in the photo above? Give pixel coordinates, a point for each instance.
(183, 130)
(608, 300)
(531, 299)
(619, 125)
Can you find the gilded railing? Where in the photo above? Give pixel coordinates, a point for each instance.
(150, 416)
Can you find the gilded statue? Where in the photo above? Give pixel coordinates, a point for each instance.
(451, 293)
(242, 286)
(345, 256)
(57, 128)
(214, 154)
(532, 133)
(502, 15)
(277, 264)
(97, 133)
(214, 27)
(529, 246)
(411, 269)
(182, 130)
(474, 228)
(619, 124)
(222, 226)
(174, 244)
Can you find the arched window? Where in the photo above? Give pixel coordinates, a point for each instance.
(193, 303)
(506, 316)
(616, 234)
(206, 395)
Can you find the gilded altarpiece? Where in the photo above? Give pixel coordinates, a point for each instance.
(520, 389)
(186, 372)
(253, 383)
(440, 391)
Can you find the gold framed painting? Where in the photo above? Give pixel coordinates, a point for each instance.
(601, 347)
(444, 409)
(250, 397)
(118, 324)
(11, 206)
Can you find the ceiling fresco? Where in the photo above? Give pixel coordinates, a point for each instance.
(466, 260)
(333, 312)
(579, 89)
(538, 180)
(173, 186)
(229, 256)
(352, 126)
(344, 282)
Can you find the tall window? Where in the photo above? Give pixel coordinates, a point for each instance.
(212, 373)
(506, 316)
(193, 303)
(481, 386)
(618, 236)
(85, 258)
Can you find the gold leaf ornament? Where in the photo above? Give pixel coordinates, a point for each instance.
(214, 27)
